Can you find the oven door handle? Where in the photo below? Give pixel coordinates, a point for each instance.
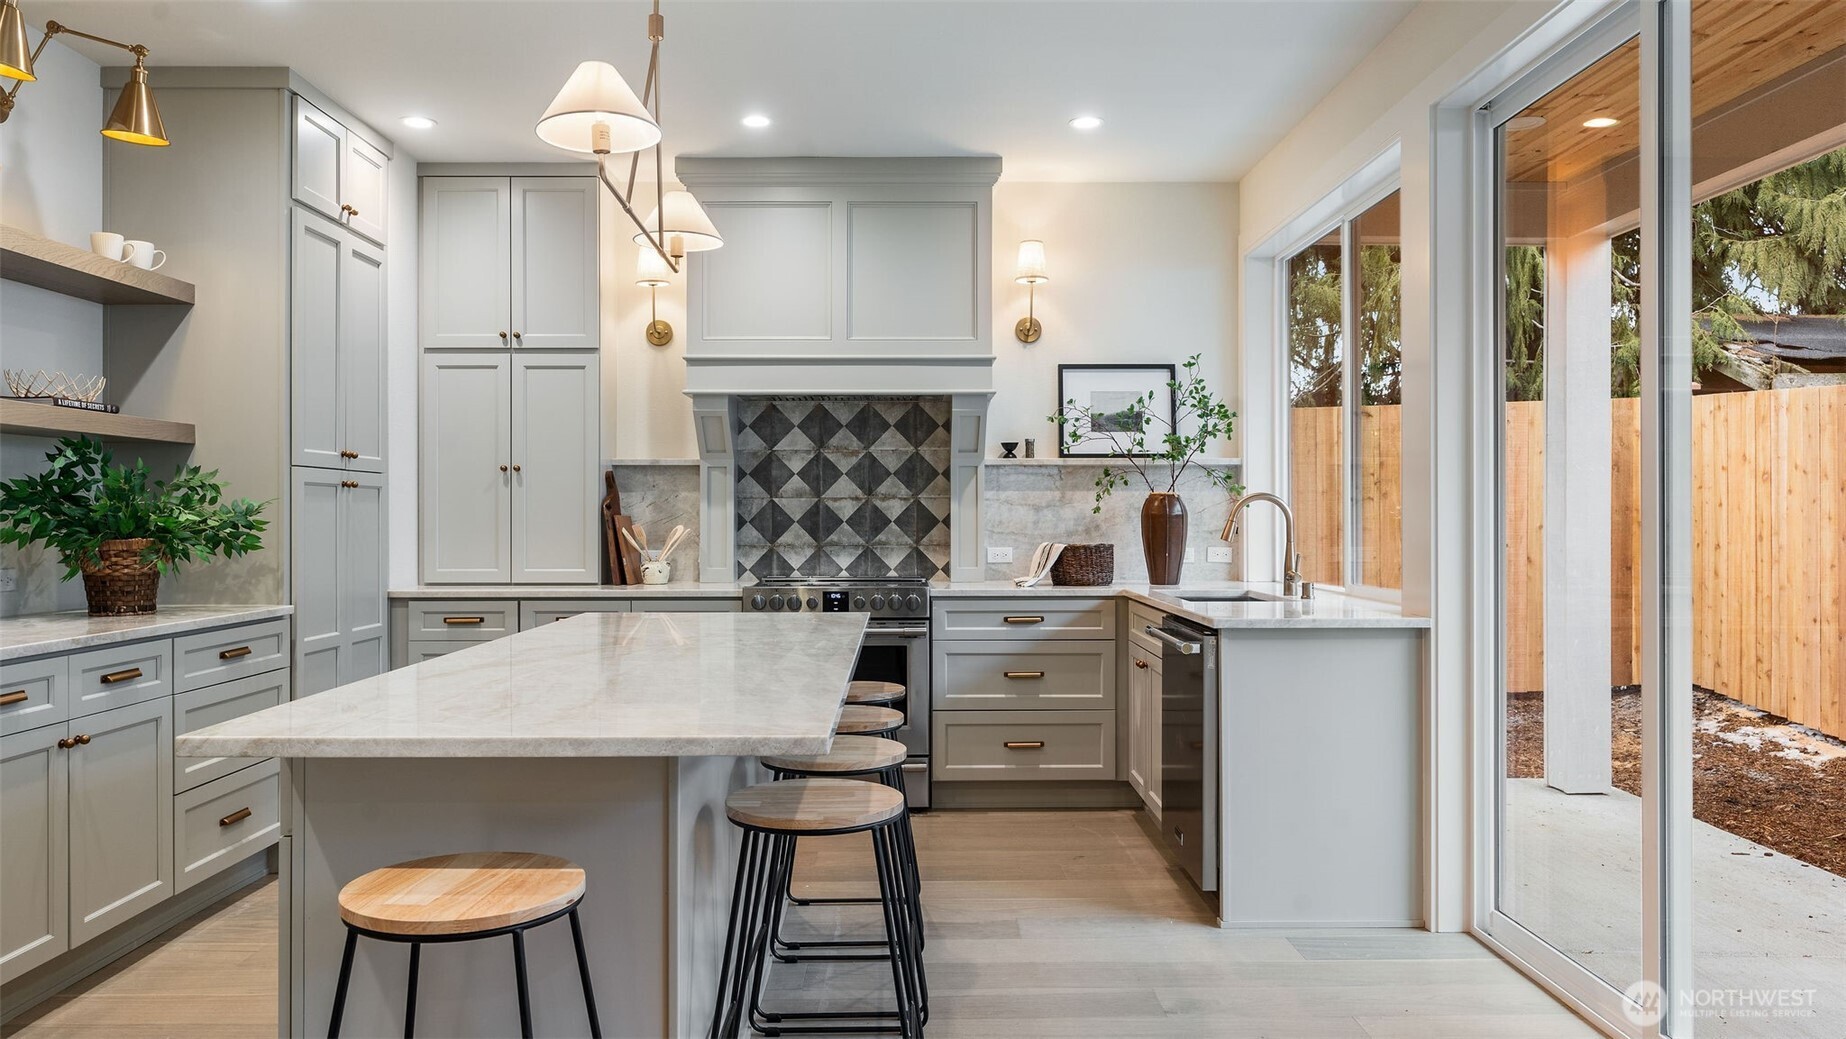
(901, 633)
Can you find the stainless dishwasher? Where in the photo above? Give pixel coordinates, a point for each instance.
(1189, 746)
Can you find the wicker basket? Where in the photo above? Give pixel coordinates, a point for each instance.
(1084, 565)
(119, 582)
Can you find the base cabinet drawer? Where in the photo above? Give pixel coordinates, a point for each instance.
(211, 657)
(535, 613)
(220, 703)
(418, 652)
(104, 679)
(1045, 618)
(224, 821)
(1003, 676)
(455, 620)
(34, 693)
(1022, 745)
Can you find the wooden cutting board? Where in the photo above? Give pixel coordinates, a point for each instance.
(624, 560)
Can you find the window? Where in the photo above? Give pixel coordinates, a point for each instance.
(1344, 403)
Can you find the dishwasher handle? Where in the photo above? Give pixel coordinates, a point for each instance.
(1173, 642)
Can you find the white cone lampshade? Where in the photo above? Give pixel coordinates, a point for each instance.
(596, 95)
(1031, 266)
(650, 270)
(686, 220)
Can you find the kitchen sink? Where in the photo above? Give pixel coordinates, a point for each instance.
(1228, 597)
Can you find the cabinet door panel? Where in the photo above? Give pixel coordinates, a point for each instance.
(554, 274)
(466, 480)
(362, 356)
(555, 444)
(315, 273)
(320, 145)
(312, 562)
(1137, 721)
(364, 188)
(464, 266)
(362, 577)
(121, 816)
(34, 867)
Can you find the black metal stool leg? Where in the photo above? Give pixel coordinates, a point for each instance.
(894, 925)
(525, 995)
(339, 990)
(583, 972)
(410, 997)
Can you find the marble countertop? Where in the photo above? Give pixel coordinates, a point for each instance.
(1193, 601)
(595, 685)
(688, 590)
(42, 634)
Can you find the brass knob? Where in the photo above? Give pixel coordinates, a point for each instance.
(503, 337)
(349, 454)
(516, 335)
(349, 483)
(1142, 664)
(515, 466)
(503, 468)
(354, 210)
(66, 743)
(83, 739)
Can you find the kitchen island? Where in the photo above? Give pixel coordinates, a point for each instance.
(609, 739)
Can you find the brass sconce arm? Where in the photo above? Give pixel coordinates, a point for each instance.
(54, 28)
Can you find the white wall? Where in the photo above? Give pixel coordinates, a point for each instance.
(645, 410)
(51, 176)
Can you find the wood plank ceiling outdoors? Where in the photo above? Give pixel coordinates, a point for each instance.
(1738, 47)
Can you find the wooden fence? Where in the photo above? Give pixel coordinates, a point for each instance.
(1768, 540)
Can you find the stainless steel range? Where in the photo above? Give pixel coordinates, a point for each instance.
(896, 645)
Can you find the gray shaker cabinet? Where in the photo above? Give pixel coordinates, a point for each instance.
(121, 819)
(338, 174)
(555, 296)
(510, 261)
(556, 453)
(340, 627)
(337, 347)
(34, 870)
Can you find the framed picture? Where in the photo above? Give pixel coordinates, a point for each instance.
(1112, 404)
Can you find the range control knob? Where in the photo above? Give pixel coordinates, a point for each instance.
(757, 602)
(878, 602)
(794, 604)
(913, 603)
(775, 602)
(858, 602)
(813, 603)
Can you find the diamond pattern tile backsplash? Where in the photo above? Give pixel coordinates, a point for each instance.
(835, 486)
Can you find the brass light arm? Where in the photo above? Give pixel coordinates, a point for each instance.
(55, 28)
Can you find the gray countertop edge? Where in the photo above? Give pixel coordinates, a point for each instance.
(568, 591)
(46, 634)
(509, 748)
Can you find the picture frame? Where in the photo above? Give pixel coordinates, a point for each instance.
(1098, 387)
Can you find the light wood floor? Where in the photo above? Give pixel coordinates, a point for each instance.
(1039, 923)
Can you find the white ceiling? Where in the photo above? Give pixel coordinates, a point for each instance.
(1189, 91)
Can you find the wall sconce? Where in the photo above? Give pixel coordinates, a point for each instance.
(1030, 273)
(652, 273)
(135, 119)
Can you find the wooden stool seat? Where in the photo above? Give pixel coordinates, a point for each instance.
(859, 718)
(876, 693)
(814, 805)
(461, 894)
(849, 754)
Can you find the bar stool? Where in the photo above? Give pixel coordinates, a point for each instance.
(852, 757)
(875, 694)
(772, 815)
(460, 898)
(862, 720)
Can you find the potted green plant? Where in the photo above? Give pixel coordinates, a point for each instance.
(119, 530)
(1148, 441)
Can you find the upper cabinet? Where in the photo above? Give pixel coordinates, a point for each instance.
(509, 261)
(337, 173)
(337, 333)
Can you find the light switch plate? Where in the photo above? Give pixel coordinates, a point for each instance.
(996, 554)
(1218, 554)
(9, 579)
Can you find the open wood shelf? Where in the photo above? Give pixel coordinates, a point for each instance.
(22, 416)
(35, 260)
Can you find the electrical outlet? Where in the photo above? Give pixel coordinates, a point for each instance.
(1218, 554)
(9, 579)
(1192, 554)
(997, 554)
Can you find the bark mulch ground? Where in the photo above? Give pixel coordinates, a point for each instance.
(1755, 775)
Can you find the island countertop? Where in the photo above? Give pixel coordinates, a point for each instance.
(594, 685)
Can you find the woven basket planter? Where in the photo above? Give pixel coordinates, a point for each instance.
(1084, 565)
(119, 582)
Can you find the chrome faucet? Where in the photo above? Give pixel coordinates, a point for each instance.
(1291, 563)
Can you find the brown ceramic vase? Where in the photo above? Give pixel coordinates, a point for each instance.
(1163, 536)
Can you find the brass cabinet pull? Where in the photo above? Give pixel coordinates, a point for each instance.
(233, 654)
(16, 696)
(235, 817)
(66, 743)
(82, 739)
(349, 454)
(349, 483)
(1024, 620)
(503, 337)
(516, 467)
(1025, 744)
(516, 335)
(1023, 674)
(1142, 664)
(503, 468)
(464, 620)
(122, 676)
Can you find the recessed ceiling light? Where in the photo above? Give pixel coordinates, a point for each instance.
(1525, 122)
(1086, 122)
(1601, 122)
(418, 122)
(756, 121)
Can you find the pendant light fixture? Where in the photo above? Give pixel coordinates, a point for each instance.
(135, 118)
(596, 113)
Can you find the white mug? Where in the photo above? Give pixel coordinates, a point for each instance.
(107, 244)
(142, 254)
(656, 572)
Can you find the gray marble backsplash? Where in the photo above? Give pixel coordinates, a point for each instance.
(1024, 505)
(659, 496)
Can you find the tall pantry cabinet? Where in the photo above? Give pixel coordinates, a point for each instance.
(274, 202)
(510, 415)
